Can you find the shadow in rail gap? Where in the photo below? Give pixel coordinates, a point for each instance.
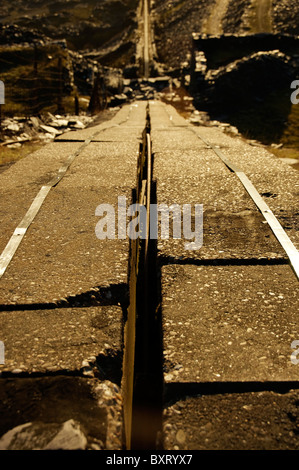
(142, 382)
(148, 379)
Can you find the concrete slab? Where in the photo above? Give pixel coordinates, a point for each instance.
(130, 115)
(60, 254)
(230, 308)
(229, 323)
(188, 172)
(264, 420)
(69, 339)
(63, 297)
(22, 181)
(120, 134)
(277, 183)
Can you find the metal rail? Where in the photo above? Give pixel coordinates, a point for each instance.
(138, 284)
(142, 376)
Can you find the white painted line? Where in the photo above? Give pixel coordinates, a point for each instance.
(20, 231)
(275, 226)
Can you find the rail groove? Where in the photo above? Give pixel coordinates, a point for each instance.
(143, 387)
(142, 365)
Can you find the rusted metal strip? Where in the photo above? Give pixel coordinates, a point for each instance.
(128, 379)
(139, 196)
(136, 338)
(130, 340)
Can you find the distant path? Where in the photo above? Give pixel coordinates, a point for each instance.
(146, 53)
(213, 24)
(264, 16)
(144, 46)
(261, 17)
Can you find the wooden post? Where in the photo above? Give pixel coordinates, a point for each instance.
(95, 104)
(60, 109)
(35, 107)
(35, 66)
(77, 107)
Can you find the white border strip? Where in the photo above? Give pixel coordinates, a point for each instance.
(20, 231)
(275, 226)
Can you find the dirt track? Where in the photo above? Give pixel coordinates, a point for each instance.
(264, 16)
(213, 25)
(261, 24)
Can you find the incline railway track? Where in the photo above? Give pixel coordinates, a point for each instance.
(142, 378)
(194, 325)
(144, 45)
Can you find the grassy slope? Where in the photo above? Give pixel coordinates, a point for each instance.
(28, 91)
(84, 24)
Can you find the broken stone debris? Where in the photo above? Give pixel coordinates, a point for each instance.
(45, 436)
(18, 130)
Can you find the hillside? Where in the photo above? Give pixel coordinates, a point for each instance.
(110, 25)
(84, 25)
(98, 39)
(251, 89)
(176, 19)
